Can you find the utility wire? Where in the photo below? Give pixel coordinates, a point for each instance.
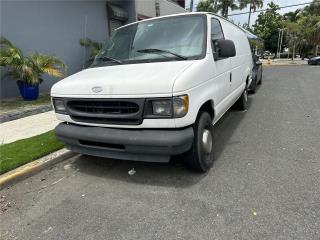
(262, 10)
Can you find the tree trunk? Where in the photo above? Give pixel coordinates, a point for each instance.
(215, 6)
(225, 10)
(293, 51)
(249, 15)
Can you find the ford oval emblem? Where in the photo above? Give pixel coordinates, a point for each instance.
(96, 89)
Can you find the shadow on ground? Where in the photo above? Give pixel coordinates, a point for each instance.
(173, 174)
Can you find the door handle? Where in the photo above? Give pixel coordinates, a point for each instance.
(230, 77)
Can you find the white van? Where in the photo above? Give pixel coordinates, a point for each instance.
(156, 89)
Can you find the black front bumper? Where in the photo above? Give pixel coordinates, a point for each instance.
(128, 144)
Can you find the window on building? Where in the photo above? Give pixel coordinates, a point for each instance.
(117, 17)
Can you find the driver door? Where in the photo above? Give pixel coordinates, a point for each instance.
(221, 70)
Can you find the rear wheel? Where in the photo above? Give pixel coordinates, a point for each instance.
(260, 80)
(200, 157)
(242, 103)
(254, 85)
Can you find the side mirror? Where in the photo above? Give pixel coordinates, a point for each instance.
(225, 48)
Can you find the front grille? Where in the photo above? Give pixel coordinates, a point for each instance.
(104, 107)
(106, 111)
(117, 121)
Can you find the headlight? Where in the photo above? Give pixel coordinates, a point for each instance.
(162, 108)
(175, 107)
(180, 106)
(59, 105)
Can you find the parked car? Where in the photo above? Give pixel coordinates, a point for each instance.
(256, 74)
(267, 55)
(156, 89)
(314, 61)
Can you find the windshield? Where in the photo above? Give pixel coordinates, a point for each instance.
(174, 38)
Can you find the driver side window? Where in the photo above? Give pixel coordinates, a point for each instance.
(216, 33)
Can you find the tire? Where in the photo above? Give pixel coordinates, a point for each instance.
(242, 102)
(260, 81)
(254, 86)
(200, 157)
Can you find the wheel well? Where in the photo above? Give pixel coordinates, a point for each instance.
(247, 81)
(208, 107)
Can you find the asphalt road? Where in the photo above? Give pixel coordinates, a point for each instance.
(265, 183)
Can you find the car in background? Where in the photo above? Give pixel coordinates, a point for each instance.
(256, 45)
(267, 55)
(256, 74)
(314, 61)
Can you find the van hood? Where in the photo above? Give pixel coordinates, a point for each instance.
(131, 79)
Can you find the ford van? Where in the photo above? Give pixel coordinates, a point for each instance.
(156, 89)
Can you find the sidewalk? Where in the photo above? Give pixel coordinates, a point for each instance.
(27, 127)
(284, 62)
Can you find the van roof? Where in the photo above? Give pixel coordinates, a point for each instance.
(196, 13)
(166, 16)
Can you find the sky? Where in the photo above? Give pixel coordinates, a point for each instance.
(244, 18)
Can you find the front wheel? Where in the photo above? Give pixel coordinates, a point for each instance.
(200, 157)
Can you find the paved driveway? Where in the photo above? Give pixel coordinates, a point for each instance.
(265, 183)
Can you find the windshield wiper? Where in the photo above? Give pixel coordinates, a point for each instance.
(109, 59)
(155, 50)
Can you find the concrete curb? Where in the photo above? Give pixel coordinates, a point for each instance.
(34, 167)
(283, 65)
(6, 117)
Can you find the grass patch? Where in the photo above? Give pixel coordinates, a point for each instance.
(13, 155)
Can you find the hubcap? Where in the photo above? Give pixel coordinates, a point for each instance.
(207, 141)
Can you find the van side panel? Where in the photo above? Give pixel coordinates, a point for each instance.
(206, 80)
(241, 64)
(201, 84)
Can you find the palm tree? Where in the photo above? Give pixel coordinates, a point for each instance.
(310, 26)
(312, 9)
(205, 6)
(292, 16)
(28, 70)
(253, 6)
(93, 46)
(293, 31)
(224, 5)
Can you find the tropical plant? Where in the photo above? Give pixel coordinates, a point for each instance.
(292, 28)
(205, 6)
(313, 9)
(30, 69)
(292, 16)
(310, 30)
(253, 6)
(267, 27)
(93, 46)
(301, 28)
(224, 5)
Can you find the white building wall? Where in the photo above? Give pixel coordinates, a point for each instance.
(147, 8)
(168, 7)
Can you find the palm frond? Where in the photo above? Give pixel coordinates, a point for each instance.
(28, 69)
(50, 65)
(5, 42)
(8, 49)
